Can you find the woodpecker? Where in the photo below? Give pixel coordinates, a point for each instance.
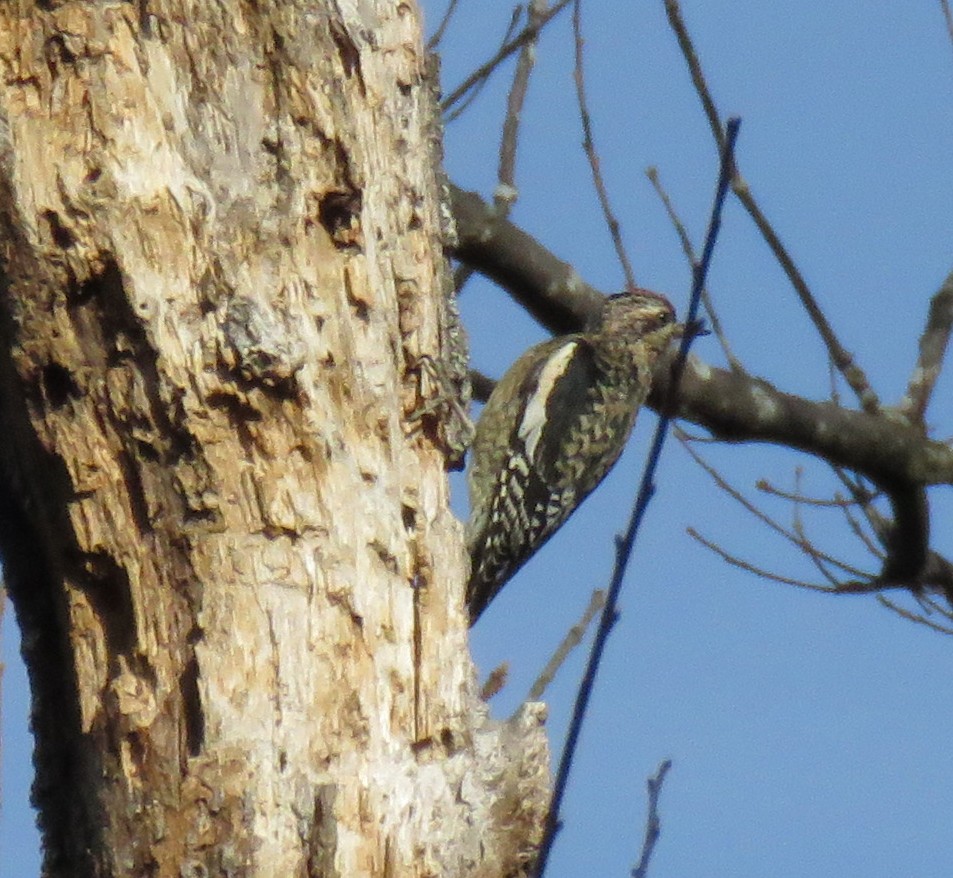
(552, 429)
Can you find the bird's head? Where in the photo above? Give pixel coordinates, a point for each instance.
(639, 316)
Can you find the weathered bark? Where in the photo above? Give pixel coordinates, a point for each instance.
(230, 551)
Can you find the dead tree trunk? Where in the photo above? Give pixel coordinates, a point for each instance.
(230, 551)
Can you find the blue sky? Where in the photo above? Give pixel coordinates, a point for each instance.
(809, 733)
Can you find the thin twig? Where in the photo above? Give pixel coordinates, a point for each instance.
(504, 52)
(945, 6)
(933, 343)
(677, 23)
(863, 498)
(858, 531)
(905, 537)
(589, 145)
(572, 639)
(800, 533)
(855, 484)
(740, 563)
(931, 606)
(879, 523)
(835, 502)
(653, 826)
(626, 544)
(434, 41)
(495, 682)
(844, 361)
(506, 191)
(912, 617)
(853, 374)
(832, 379)
(479, 84)
(689, 251)
(796, 540)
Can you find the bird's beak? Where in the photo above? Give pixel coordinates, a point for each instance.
(693, 330)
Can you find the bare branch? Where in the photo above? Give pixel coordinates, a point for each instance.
(804, 542)
(677, 23)
(653, 826)
(588, 144)
(550, 289)
(506, 191)
(935, 572)
(908, 538)
(836, 502)
(757, 571)
(495, 682)
(913, 617)
(872, 453)
(905, 537)
(854, 524)
(864, 499)
(840, 356)
(933, 342)
(484, 70)
(434, 41)
(481, 82)
(572, 639)
(853, 374)
(798, 540)
(736, 408)
(689, 251)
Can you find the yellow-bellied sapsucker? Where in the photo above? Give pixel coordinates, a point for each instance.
(552, 428)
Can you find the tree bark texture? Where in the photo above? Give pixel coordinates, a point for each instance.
(228, 543)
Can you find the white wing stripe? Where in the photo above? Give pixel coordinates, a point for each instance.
(534, 415)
